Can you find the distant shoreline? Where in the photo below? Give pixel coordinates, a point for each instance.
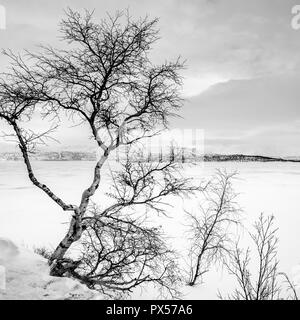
(189, 157)
(245, 158)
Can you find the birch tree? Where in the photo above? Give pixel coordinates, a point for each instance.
(105, 79)
(211, 227)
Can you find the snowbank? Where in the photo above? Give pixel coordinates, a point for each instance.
(27, 278)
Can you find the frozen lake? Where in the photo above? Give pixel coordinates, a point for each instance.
(27, 215)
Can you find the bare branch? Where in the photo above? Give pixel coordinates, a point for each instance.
(267, 285)
(119, 253)
(210, 230)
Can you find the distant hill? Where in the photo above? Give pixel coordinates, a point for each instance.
(181, 156)
(246, 158)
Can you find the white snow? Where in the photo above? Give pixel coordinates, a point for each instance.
(26, 277)
(8, 250)
(271, 188)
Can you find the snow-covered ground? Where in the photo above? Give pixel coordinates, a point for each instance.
(30, 219)
(24, 275)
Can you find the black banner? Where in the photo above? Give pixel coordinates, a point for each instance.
(146, 309)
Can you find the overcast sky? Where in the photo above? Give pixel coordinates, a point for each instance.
(243, 64)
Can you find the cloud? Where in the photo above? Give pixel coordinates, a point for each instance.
(193, 85)
(242, 61)
(248, 114)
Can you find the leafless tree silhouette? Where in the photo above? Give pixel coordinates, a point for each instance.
(268, 284)
(120, 252)
(209, 229)
(104, 79)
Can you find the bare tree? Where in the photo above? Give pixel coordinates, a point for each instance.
(267, 285)
(105, 80)
(119, 252)
(209, 230)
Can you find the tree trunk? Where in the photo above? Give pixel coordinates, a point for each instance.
(59, 265)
